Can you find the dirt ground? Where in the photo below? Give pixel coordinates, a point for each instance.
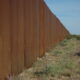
(59, 63)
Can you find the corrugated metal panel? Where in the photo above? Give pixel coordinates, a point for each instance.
(28, 34)
(14, 37)
(41, 28)
(5, 63)
(31, 32)
(20, 21)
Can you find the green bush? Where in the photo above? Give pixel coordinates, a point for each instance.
(63, 43)
(73, 36)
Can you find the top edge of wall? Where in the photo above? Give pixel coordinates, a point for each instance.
(55, 16)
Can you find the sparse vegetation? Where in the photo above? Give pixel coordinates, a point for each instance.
(59, 63)
(73, 36)
(63, 43)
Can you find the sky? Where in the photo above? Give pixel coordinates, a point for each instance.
(68, 12)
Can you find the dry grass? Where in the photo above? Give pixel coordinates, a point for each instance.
(60, 63)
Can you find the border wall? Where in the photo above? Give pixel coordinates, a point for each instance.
(27, 30)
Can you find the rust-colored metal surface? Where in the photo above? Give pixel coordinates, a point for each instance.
(27, 30)
(31, 32)
(5, 62)
(17, 35)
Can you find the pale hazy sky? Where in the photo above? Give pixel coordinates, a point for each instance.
(68, 11)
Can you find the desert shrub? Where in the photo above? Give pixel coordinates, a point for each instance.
(63, 43)
(78, 37)
(73, 36)
(57, 52)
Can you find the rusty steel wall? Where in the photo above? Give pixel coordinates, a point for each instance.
(5, 62)
(27, 30)
(31, 32)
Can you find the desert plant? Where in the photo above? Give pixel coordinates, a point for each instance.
(63, 43)
(56, 52)
(73, 36)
